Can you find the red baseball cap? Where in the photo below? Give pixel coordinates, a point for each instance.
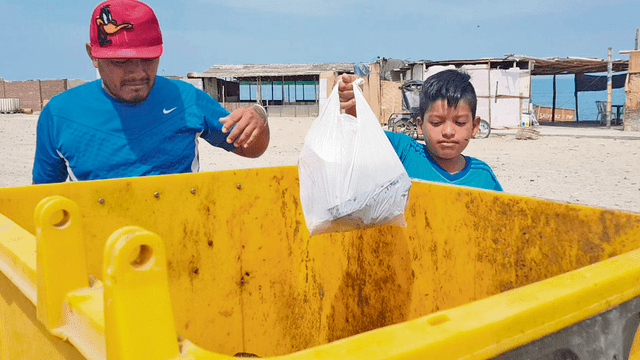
(125, 29)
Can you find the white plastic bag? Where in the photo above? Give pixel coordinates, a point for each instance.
(350, 175)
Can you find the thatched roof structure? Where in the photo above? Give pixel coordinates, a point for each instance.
(541, 66)
(272, 70)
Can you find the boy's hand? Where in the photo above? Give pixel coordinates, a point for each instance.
(345, 92)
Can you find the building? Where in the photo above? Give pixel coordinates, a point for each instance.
(503, 85)
(284, 89)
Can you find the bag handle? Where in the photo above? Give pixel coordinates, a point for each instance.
(363, 110)
(333, 102)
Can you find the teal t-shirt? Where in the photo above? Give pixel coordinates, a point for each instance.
(420, 165)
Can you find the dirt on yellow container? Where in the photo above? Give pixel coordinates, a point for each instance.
(212, 265)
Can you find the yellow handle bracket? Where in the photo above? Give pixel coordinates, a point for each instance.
(139, 320)
(61, 264)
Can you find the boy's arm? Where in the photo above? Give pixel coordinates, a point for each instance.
(345, 92)
(498, 187)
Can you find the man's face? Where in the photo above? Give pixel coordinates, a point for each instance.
(128, 80)
(447, 130)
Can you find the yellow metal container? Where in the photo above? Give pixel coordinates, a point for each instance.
(209, 265)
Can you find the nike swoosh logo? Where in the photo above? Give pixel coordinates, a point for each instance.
(165, 111)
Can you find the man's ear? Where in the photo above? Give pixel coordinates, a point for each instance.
(94, 60)
(476, 126)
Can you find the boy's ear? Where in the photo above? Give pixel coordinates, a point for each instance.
(419, 125)
(476, 126)
(94, 60)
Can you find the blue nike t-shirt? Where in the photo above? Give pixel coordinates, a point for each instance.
(420, 165)
(86, 134)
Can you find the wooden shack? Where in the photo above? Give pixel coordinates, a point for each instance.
(284, 89)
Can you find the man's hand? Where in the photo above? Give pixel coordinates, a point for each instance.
(345, 92)
(250, 135)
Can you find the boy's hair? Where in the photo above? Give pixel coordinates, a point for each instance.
(450, 85)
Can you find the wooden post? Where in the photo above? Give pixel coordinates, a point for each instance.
(575, 93)
(259, 91)
(283, 102)
(637, 33)
(375, 92)
(553, 108)
(530, 67)
(489, 86)
(39, 94)
(609, 85)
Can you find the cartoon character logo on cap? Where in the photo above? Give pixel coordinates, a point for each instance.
(107, 26)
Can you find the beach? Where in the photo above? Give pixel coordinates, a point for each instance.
(590, 165)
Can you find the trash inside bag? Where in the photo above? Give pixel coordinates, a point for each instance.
(350, 176)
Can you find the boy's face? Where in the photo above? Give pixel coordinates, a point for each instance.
(447, 130)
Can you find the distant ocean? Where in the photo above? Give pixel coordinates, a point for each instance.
(542, 94)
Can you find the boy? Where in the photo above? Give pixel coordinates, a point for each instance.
(448, 121)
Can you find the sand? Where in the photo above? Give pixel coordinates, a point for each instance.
(592, 166)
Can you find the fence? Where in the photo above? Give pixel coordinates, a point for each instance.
(293, 110)
(310, 110)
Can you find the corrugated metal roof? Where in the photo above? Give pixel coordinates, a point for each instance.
(265, 70)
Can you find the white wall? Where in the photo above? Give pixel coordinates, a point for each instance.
(512, 87)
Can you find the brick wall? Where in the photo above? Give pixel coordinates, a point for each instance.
(51, 88)
(27, 91)
(33, 94)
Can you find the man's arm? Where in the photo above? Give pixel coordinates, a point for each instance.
(251, 133)
(48, 166)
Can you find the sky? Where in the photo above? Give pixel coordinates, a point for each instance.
(45, 40)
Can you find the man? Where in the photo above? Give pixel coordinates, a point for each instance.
(132, 122)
